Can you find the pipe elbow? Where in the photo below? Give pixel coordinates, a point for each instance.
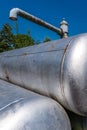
(14, 13)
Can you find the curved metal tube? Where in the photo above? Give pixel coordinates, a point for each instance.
(24, 110)
(16, 11)
(57, 69)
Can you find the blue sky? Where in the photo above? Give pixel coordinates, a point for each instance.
(52, 11)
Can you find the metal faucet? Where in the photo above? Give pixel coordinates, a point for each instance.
(62, 31)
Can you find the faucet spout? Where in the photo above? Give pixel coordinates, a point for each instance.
(16, 11)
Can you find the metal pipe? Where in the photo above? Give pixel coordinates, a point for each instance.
(21, 109)
(16, 11)
(57, 69)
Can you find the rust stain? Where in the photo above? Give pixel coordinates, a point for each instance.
(51, 47)
(24, 54)
(6, 75)
(65, 49)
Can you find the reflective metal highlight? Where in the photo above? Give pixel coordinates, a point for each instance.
(57, 69)
(21, 109)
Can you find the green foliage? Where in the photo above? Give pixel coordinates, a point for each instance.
(9, 41)
(47, 39)
(37, 42)
(6, 38)
(22, 40)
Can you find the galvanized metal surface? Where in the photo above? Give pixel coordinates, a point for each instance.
(56, 69)
(62, 31)
(21, 109)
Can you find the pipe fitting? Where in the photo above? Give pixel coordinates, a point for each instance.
(64, 27)
(14, 13)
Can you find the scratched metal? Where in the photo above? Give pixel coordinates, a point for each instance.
(57, 69)
(21, 109)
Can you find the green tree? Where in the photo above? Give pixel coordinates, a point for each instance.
(6, 38)
(37, 42)
(47, 39)
(9, 41)
(22, 40)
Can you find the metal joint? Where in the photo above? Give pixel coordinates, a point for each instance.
(64, 28)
